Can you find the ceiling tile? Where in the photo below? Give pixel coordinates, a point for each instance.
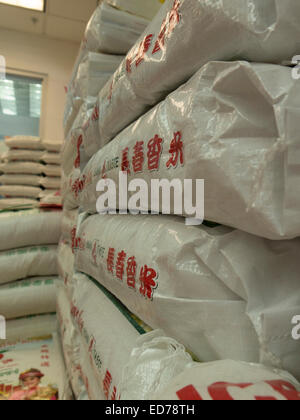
(72, 9)
(60, 28)
(21, 19)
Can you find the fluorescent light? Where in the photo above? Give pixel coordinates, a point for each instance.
(27, 4)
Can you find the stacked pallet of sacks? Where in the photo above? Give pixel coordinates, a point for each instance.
(228, 290)
(29, 349)
(31, 173)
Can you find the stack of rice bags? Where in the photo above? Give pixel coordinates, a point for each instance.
(22, 169)
(51, 195)
(225, 293)
(28, 294)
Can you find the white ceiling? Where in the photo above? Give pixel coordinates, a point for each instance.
(64, 19)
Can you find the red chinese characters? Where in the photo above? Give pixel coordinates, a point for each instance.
(176, 151)
(125, 161)
(107, 384)
(148, 283)
(168, 26)
(77, 160)
(111, 260)
(120, 266)
(131, 272)
(154, 152)
(143, 49)
(95, 115)
(138, 157)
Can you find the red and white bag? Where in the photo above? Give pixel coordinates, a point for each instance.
(228, 380)
(221, 292)
(233, 125)
(184, 36)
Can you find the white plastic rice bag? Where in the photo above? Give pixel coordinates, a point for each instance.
(24, 142)
(26, 154)
(33, 261)
(51, 182)
(71, 187)
(20, 191)
(82, 377)
(52, 158)
(11, 179)
(221, 292)
(228, 380)
(9, 204)
(52, 170)
(52, 145)
(235, 125)
(184, 36)
(33, 371)
(113, 338)
(69, 226)
(27, 168)
(32, 296)
(28, 228)
(29, 327)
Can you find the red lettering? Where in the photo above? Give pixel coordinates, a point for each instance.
(131, 272)
(111, 260)
(143, 49)
(120, 266)
(138, 157)
(176, 151)
(148, 283)
(125, 161)
(189, 393)
(154, 152)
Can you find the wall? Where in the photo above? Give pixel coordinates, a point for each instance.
(53, 58)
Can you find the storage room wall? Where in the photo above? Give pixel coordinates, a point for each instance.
(50, 57)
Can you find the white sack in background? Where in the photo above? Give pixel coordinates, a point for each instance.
(51, 183)
(24, 142)
(52, 145)
(32, 296)
(28, 168)
(11, 179)
(52, 158)
(235, 125)
(21, 329)
(19, 154)
(18, 204)
(184, 36)
(20, 191)
(66, 261)
(44, 356)
(27, 228)
(222, 293)
(228, 380)
(72, 108)
(34, 261)
(52, 170)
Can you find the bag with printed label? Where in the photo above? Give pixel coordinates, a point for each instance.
(221, 292)
(111, 335)
(69, 226)
(32, 296)
(227, 381)
(80, 372)
(34, 261)
(71, 187)
(33, 371)
(234, 125)
(28, 228)
(184, 36)
(24, 142)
